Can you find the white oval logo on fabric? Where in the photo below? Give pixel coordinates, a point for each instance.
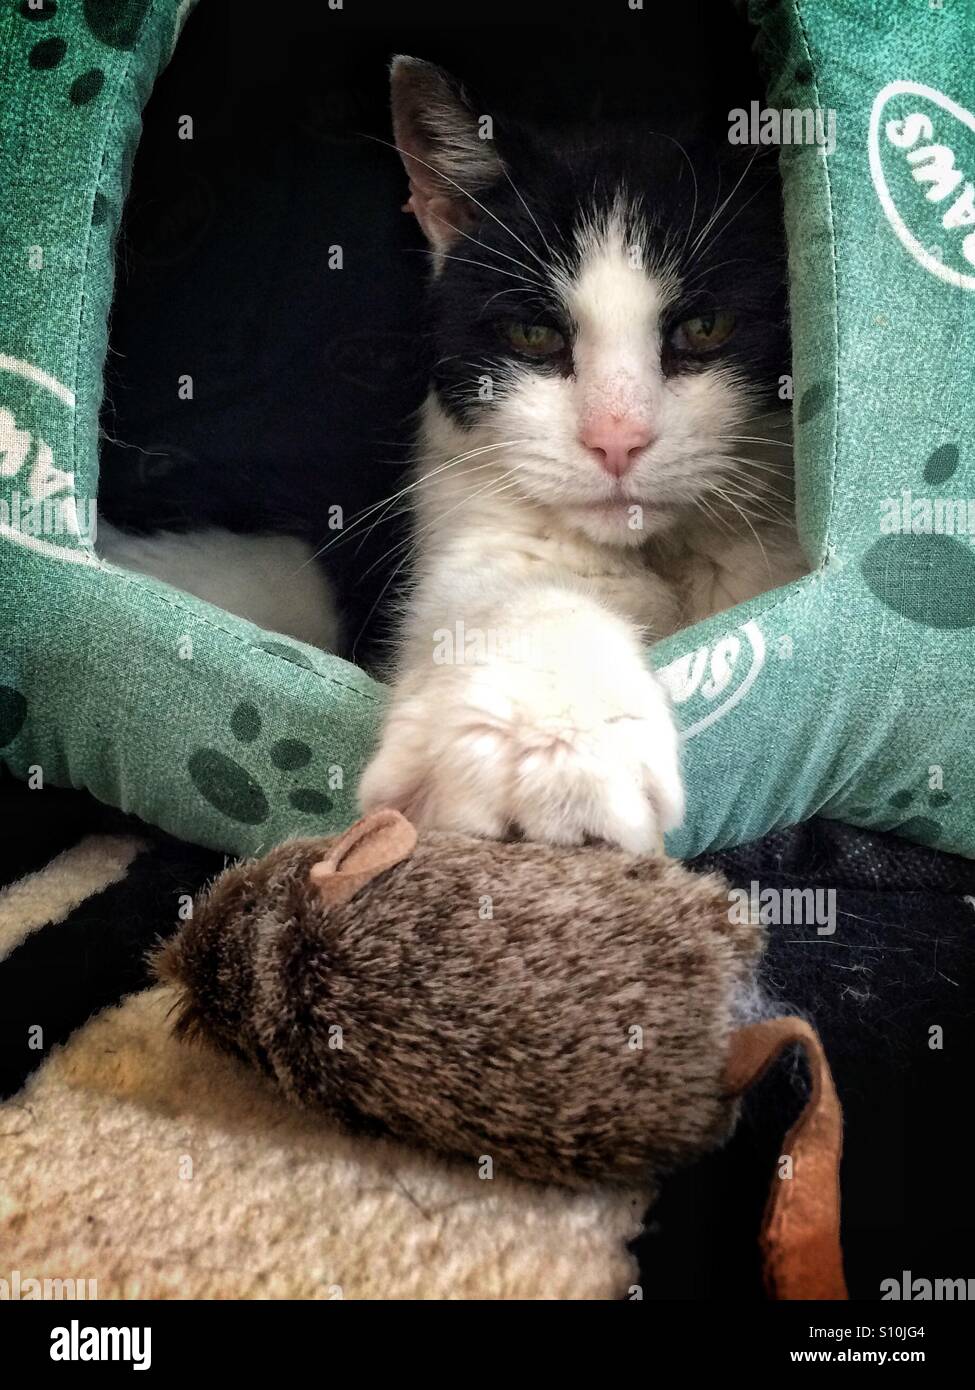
(716, 677)
(37, 498)
(931, 140)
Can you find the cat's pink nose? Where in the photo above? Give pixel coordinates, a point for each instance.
(616, 441)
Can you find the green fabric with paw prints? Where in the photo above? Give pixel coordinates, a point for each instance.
(845, 695)
(155, 702)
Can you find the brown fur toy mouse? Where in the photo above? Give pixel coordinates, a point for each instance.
(568, 1012)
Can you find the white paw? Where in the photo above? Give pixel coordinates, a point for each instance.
(560, 755)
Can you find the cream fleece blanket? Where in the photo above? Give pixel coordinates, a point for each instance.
(162, 1170)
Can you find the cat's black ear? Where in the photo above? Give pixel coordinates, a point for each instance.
(440, 137)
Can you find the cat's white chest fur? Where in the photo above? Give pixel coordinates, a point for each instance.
(472, 513)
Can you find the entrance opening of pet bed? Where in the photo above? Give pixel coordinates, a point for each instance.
(266, 356)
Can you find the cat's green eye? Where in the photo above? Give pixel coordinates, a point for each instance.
(534, 339)
(703, 333)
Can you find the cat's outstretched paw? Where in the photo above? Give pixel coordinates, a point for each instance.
(495, 749)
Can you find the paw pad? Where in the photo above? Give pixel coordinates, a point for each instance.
(926, 575)
(922, 828)
(234, 791)
(813, 401)
(287, 653)
(114, 23)
(13, 712)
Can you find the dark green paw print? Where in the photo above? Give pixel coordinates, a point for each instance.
(13, 712)
(115, 23)
(287, 653)
(813, 401)
(924, 829)
(234, 791)
(923, 570)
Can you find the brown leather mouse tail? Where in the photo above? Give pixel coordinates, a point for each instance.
(800, 1234)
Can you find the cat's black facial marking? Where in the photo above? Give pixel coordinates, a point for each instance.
(711, 219)
(632, 246)
(514, 336)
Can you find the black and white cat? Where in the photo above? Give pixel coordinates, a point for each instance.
(602, 459)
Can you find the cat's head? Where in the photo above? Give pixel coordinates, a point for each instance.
(615, 303)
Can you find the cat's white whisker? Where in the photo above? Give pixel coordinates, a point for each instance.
(517, 191)
(724, 227)
(754, 439)
(439, 173)
(723, 494)
(466, 260)
(690, 226)
(413, 539)
(360, 517)
(763, 502)
(450, 463)
(775, 470)
(718, 211)
(688, 283)
(741, 472)
(512, 289)
(782, 409)
(493, 251)
(706, 507)
(387, 515)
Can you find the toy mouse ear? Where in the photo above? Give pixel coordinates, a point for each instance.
(368, 848)
(800, 1234)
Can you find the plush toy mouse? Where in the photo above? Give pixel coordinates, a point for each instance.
(569, 1013)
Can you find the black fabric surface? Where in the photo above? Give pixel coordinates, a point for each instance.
(64, 973)
(899, 964)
